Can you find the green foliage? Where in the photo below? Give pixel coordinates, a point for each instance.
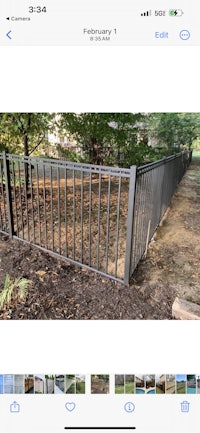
(138, 154)
(130, 138)
(122, 139)
(196, 144)
(103, 377)
(101, 135)
(13, 291)
(174, 130)
(70, 155)
(25, 132)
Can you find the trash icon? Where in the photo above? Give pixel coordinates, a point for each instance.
(185, 406)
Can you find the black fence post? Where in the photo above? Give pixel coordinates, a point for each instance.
(130, 219)
(8, 194)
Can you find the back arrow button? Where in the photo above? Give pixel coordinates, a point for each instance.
(8, 34)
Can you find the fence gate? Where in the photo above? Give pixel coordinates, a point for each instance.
(94, 216)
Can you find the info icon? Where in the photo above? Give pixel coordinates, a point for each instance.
(129, 407)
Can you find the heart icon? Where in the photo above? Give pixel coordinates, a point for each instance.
(70, 406)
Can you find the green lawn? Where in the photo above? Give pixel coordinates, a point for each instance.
(181, 388)
(119, 389)
(129, 388)
(80, 388)
(159, 390)
(195, 153)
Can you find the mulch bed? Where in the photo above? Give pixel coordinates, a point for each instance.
(60, 290)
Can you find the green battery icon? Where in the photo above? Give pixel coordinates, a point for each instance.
(176, 13)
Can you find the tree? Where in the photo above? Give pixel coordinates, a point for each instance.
(174, 130)
(25, 132)
(101, 135)
(190, 128)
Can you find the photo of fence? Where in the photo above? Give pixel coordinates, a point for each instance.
(98, 217)
(100, 384)
(160, 384)
(75, 384)
(39, 384)
(181, 383)
(59, 384)
(124, 384)
(170, 384)
(8, 383)
(29, 384)
(18, 384)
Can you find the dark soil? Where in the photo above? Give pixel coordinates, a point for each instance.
(62, 291)
(59, 290)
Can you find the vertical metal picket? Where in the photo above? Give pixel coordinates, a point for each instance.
(130, 219)
(8, 194)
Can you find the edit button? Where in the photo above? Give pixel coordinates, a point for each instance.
(161, 35)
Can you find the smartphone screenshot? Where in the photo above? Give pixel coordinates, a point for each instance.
(99, 216)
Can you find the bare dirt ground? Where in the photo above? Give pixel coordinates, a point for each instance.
(60, 290)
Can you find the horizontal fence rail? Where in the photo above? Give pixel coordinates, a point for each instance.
(95, 216)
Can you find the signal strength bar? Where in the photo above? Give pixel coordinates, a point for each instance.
(146, 14)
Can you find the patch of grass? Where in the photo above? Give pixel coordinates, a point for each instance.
(181, 388)
(129, 388)
(13, 291)
(159, 390)
(195, 153)
(119, 389)
(80, 388)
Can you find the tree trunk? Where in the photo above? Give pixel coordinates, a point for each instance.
(95, 152)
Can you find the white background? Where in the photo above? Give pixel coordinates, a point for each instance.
(99, 79)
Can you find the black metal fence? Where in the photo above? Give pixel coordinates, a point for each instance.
(95, 216)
